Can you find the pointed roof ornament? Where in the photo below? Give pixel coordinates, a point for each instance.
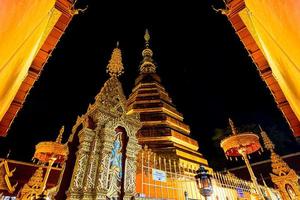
(147, 38)
(233, 128)
(147, 65)
(61, 132)
(33, 187)
(282, 174)
(267, 141)
(115, 66)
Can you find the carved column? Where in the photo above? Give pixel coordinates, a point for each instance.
(130, 168)
(90, 178)
(106, 139)
(86, 137)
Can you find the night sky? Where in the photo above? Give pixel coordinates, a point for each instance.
(201, 61)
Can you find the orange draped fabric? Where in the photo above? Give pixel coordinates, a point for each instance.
(275, 26)
(23, 29)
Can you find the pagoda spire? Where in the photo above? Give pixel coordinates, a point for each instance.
(267, 142)
(163, 129)
(115, 66)
(279, 167)
(147, 65)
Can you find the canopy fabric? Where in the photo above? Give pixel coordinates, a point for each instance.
(274, 24)
(24, 26)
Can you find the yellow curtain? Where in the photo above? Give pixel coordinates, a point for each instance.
(275, 26)
(23, 29)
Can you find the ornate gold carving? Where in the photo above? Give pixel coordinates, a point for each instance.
(86, 136)
(92, 176)
(223, 11)
(130, 175)
(75, 11)
(90, 181)
(82, 120)
(32, 189)
(5, 174)
(283, 176)
(103, 167)
(110, 101)
(115, 66)
(36, 185)
(79, 176)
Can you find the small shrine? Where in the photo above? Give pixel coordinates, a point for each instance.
(103, 160)
(285, 178)
(47, 153)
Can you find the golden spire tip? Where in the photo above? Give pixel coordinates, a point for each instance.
(147, 65)
(147, 37)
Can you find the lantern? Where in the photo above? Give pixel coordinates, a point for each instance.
(204, 182)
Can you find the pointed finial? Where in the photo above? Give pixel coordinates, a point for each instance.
(147, 38)
(61, 132)
(117, 44)
(267, 141)
(147, 65)
(115, 66)
(233, 129)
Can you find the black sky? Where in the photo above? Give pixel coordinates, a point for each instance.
(202, 63)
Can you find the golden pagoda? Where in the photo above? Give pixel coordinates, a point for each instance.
(163, 128)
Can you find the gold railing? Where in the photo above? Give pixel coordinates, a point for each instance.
(163, 178)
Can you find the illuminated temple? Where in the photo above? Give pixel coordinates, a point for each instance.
(123, 149)
(136, 148)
